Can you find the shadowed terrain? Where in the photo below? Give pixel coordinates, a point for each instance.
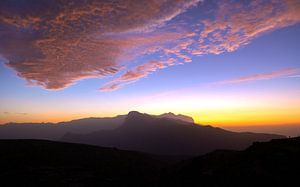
(274, 163)
(48, 163)
(41, 162)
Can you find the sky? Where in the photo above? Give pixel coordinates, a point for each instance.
(226, 62)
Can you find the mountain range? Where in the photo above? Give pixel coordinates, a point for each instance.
(166, 134)
(54, 131)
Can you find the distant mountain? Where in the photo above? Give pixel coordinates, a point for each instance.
(167, 136)
(54, 131)
(88, 125)
(159, 134)
(181, 117)
(274, 163)
(285, 129)
(48, 163)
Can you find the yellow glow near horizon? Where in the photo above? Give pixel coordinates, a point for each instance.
(213, 109)
(227, 116)
(231, 109)
(244, 117)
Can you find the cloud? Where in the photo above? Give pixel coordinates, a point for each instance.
(21, 113)
(16, 113)
(232, 25)
(53, 44)
(294, 76)
(134, 74)
(263, 76)
(236, 24)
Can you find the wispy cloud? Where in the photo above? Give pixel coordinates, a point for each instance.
(53, 44)
(294, 76)
(21, 113)
(263, 76)
(134, 74)
(15, 113)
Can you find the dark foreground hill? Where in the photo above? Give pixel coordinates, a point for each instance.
(46, 163)
(167, 136)
(274, 163)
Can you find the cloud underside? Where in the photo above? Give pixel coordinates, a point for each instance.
(53, 44)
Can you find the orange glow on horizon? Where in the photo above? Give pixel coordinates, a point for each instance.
(229, 117)
(216, 109)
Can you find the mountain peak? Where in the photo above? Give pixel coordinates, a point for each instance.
(137, 115)
(177, 117)
(133, 113)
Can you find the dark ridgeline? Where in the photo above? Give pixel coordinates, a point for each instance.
(48, 163)
(54, 131)
(274, 163)
(167, 136)
(181, 117)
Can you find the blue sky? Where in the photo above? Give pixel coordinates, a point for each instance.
(171, 61)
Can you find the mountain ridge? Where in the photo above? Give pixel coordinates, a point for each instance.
(54, 131)
(166, 134)
(272, 163)
(155, 135)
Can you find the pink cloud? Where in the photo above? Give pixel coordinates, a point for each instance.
(263, 76)
(55, 49)
(236, 24)
(111, 87)
(55, 44)
(133, 75)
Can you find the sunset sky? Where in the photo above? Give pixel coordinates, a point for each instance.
(222, 62)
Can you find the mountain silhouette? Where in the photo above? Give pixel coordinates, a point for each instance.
(274, 163)
(48, 163)
(181, 117)
(54, 131)
(167, 136)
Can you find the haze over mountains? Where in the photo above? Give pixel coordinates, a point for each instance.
(166, 134)
(284, 129)
(54, 131)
